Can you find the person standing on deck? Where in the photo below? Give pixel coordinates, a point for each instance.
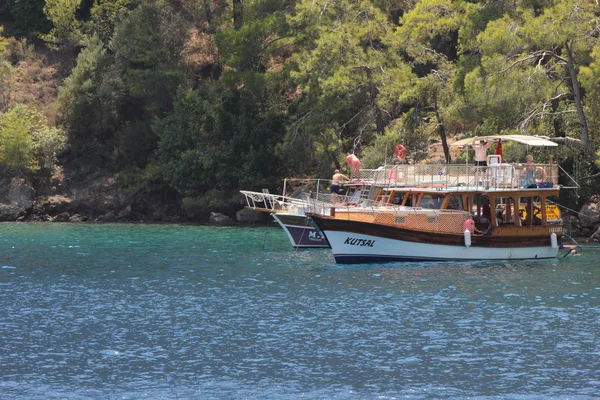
(486, 215)
(481, 147)
(354, 164)
(486, 212)
(336, 181)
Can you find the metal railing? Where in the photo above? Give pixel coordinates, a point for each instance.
(268, 202)
(302, 195)
(444, 175)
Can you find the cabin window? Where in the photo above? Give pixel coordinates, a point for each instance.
(530, 210)
(537, 211)
(455, 203)
(431, 201)
(412, 199)
(505, 211)
(400, 219)
(432, 220)
(398, 197)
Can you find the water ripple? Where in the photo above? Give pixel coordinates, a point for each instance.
(130, 312)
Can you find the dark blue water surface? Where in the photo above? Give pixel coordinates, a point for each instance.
(187, 312)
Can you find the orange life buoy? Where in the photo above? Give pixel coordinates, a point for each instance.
(400, 152)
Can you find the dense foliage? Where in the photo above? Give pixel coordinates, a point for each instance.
(227, 95)
(27, 142)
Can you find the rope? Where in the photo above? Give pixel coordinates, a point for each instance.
(569, 252)
(574, 241)
(302, 235)
(569, 209)
(265, 238)
(578, 213)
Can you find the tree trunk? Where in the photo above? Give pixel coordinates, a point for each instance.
(207, 13)
(442, 130)
(577, 97)
(374, 92)
(237, 14)
(558, 132)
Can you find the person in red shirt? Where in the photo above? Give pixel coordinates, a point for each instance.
(486, 212)
(470, 226)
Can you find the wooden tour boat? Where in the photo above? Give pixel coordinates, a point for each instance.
(428, 225)
(418, 212)
(289, 212)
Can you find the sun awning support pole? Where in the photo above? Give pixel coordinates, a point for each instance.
(570, 177)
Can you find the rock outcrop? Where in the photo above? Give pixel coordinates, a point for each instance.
(248, 216)
(16, 199)
(99, 198)
(589, 215)
(220, 219)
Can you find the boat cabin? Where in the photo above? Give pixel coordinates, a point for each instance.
(497, 212)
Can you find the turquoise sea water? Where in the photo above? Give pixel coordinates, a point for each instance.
(189, 312)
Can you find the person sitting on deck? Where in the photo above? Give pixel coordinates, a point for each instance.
(532, 174)
(529, 172)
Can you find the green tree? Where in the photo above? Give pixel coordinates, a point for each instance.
(220, 139)
(29, 18)
(16, 139)
(147, 48)
(381, 150)
(109, 101)
(66, 28)
(89, 103)
(531, 61)
(249, 47)
(6, 72)
(105, 15)
(27, 142)
(429, 36)
(348, 78)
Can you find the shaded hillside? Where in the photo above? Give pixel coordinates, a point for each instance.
(201, 99)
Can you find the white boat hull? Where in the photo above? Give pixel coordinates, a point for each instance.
(351, 248)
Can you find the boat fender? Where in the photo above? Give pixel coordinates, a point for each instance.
(400, 152)
(553, 240)
(467, 238)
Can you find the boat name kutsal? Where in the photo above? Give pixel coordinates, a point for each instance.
(359, 242)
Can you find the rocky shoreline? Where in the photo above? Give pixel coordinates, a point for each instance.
(101, 200)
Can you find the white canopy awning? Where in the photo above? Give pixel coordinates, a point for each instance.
(528, 140)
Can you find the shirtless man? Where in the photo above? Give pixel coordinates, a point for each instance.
(481, 147)
(336, 181)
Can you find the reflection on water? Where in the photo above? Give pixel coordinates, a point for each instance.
(169, 311)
